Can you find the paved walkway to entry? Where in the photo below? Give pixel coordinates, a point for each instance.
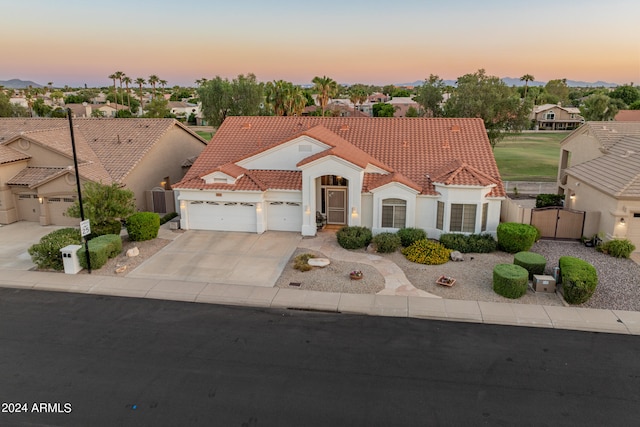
(395, 281)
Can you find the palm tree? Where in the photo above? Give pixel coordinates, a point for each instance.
(201, 81)
(526, 79)
(326, 88)
(153, 80)
(163, 83)
(140, 81)
(115, 90)
(127, 82)
(120, 75)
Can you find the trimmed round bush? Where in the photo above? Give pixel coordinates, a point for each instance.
(354, 237)
(46, 253)
(532, 262)
(469, 243)
(579, 279)
(514, 237)
(143, 226)
(427, 252)
(510, 280)
(409, 235)
(386, 242)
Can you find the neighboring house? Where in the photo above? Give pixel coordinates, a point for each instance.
(556, 117)
(402, 105)
(599, 171)
(108, 109)
(183, 110)
(279, 173)
(627, 116)
(37, 176)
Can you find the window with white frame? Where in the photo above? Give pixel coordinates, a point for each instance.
(463, 218)
(551, 115)
(440, 216)
(485, 209)
(394, 213)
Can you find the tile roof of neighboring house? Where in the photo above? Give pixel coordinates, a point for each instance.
(9, 155)
(628, 116)
(617, 172)
(33, 176)
(544, 107)
(413, 148)
(109, 148)
(609, 133)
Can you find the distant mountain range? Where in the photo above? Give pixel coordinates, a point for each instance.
(510, 81)
(18, 84)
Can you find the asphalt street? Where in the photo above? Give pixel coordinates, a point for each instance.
(97, 360)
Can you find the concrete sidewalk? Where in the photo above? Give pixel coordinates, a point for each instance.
(610, 321)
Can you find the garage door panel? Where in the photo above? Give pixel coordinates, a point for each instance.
(284, 216)
(223, 216)
(29, 207)
(58, 211)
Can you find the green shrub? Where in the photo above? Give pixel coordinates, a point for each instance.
(579, 279)
(619, 248)
(100, 250)
(469, 243)
(46, 253)
(514, 237)
(108, 227)
(386, 242)
(301, 263)
(409, 235)
(143, 226)
(427, 252)
(510, 280)
(168, 217)
(546, 200)
(353, 237)
(530, 261)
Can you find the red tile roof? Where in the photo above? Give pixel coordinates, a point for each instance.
(628, 116)
(412, 148)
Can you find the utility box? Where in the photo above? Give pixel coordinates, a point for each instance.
(544, 283)
(70, 259)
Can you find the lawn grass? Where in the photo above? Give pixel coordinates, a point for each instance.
(205, 135)
(529, 156)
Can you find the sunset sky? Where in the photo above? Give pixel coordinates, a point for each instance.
(353, 41)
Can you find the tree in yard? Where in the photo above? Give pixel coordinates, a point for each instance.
(103, 204)
(382, 109)
(162, 83)
(488, 98)
(153, 80)
(526, 79)
(429, 96)
(388, 90)
(127, 81)
(114, 77)
(158, 108)
(326, 89)
(6, 110)
(558, 91)
(246, 96)
(411, 112)
(284, 98)
(600, 107)
(140, 81)
(215, 95)
(627, 93)
(358, 94)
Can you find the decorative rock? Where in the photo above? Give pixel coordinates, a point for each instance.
(371, 248)
(133, 252)
(456, 256)
(318, 262)
(121, 269)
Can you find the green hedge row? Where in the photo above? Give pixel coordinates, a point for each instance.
(469, 243)
(579, 279)
(101, 249)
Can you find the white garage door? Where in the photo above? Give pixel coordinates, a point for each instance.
(633, 233)
(284, 216)
(222, 216)
(58, 211)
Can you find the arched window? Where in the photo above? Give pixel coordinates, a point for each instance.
(394, 213)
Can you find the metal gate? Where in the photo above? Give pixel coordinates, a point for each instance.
(558, 223)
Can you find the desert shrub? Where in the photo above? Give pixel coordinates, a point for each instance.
(386, 242)
(510, 280)
(469, 243)
(168, 217)
(427, 252)
(546, 200)
(532, 262)
(514, 237)
(409, 235)
(46, 253)
(100, 250)
(107, 227)
(619, 248)
(579, 279)
(143, 226)
(354, 237)
(301, 263)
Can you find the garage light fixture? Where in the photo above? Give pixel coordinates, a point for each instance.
(621, 221)
(258, 207)
(41, 200)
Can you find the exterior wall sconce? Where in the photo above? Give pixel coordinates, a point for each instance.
(622, 221)
(354, 211)
(572, 197)
(307, 210)
(41, 200)
(259, 207)
(182, 205)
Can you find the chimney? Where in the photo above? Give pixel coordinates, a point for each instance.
(87, 109)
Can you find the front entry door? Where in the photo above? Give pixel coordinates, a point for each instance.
(336, 205)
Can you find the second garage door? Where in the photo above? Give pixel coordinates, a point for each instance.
(223, 216)
(284, 216)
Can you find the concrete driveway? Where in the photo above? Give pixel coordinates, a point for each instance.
(16, 239)
(222, 257)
